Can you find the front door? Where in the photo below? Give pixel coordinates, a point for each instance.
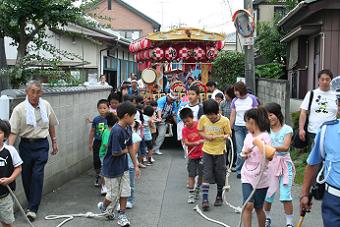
(111, 78)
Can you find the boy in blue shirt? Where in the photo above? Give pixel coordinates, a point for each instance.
(99, 124)
(115, 165)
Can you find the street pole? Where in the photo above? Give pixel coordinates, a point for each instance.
(249, 55)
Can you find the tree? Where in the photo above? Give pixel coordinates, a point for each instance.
(227, 67)
(26, 21)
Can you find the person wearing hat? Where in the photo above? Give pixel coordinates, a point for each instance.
(133, 90)
(190, 78)
(166, 111)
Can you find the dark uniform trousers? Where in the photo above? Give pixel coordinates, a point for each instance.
(34, 154)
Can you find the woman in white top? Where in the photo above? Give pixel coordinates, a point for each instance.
(323, 108)
(240, 104)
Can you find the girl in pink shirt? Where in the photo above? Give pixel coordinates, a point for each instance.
(258, 126)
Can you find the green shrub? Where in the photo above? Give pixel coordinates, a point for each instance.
(270, 71)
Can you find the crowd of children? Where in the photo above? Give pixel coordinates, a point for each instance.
(122, 139)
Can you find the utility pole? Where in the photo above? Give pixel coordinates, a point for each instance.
(249, 55)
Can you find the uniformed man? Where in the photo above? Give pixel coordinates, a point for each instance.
(33, 120)
(326, 150)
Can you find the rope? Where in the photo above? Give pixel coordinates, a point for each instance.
(19, 205)
(108, 214)
(197, 209)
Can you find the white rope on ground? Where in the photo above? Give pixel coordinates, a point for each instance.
(197, 209)
(19, 205)
(108, 214)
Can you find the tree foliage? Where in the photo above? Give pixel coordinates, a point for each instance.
(26, 21)
(227, 67)
(270, 70)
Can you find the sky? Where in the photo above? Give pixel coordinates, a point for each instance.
(212, 15)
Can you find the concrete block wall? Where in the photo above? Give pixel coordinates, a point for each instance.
(278, 91)
(72, 106)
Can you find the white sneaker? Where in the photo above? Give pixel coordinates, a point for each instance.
(158, 152)
(191, 199)
(101, 207)
(118, 207)
(129, 205)
(122, 220)
(31, 215)
(152, 159)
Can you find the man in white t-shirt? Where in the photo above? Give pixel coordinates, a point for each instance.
(323, 107)
(212, 87)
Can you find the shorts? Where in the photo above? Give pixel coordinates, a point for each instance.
(6, 210)
(258, 197)
(285, 190)
(96, 160)
(118, 187)
(142, 149)
(148, 144)
(195, 167)
(214, 169)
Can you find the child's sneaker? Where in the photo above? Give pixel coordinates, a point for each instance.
(218, 201)
(101, 207)
(191, 199)
(152, 159)
(122, 220)
(268, 222)
(289, 225)
(129, 205)
(205, 205)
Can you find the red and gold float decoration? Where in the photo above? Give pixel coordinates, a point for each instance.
(184, 54)
(171, 54)
(211, 53)
(198, 54)
(157, 54)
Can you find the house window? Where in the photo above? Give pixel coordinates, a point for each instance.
(109, 4)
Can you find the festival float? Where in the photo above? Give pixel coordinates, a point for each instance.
(168, 57)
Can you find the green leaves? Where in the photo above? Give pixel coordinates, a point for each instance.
(227, 67)
(270, 71)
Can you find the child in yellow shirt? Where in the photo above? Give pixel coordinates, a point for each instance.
(215, 129)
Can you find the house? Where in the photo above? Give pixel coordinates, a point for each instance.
(230, 41)
(265, 10)
(313, 38)
(123, 18)
(99, 51)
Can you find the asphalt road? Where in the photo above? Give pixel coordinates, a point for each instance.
(161, 200)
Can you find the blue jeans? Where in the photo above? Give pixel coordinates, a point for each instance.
(240, 135)
(132, 173)
(34, 156)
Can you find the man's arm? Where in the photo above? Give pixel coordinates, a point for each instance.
(302, 122)
(11, 139)
(309, 177)
(53, 140)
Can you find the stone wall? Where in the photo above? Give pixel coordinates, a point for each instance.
(269, 90)
(72, 106)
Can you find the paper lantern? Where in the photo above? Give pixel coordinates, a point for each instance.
(131, 48)
(219, 45)
(170, 54)
(211, 53)
(198, 53)
(145, 44)
(157, 54)
(146, 54)
(137, 57)
(184, 53)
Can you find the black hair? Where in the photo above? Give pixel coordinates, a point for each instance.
(195, 89)
(275, 109)
(111, 119)
(139, 99)
(125, 108)
(230, 92)
(260, 116)
(327, 72)
(148, 111)
(210, 106)
(139, 106)
(211, 84)
(114, 96)
(219, 95)
(5, 127)
(102, 101)
(136, 126)
(153, 103)
(185, 113)
(127, 98)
